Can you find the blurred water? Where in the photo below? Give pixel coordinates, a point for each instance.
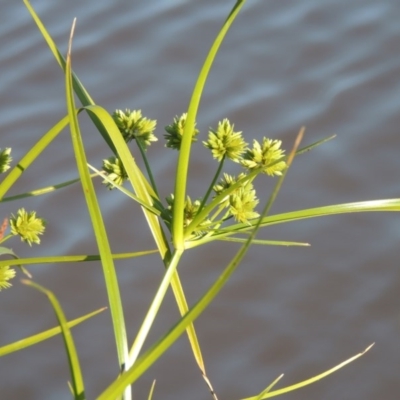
(332, 66)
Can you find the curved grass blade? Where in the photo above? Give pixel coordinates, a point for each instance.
(86, 100)
(141, 187)
(152, 209)
(153, 385)
(151, 355)
(45, 190)
(313, 145)
(200, 242)
(184, 153)
(97, 222)
(144, 362)
(73, 259)
(75, 369)
(311, 380)
(269, 387)
(384, 205)
(79, 89)
(40, 337)
(147, 196)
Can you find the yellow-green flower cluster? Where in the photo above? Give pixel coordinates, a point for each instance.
(241, 201)
(226, 182)
(5, 159)
(115, 171)
(190, 211)
(242, 205)
(28, 226)
(225, 142)
(175, 132)
(133, 125)
(269, 156)
(6, 273)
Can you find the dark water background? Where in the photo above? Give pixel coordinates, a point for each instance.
(333, 66)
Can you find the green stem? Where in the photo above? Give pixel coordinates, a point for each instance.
(216, 200)
(153, 309)
(210, 188)
(147, 165)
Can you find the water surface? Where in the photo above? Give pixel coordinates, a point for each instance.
(332, 66)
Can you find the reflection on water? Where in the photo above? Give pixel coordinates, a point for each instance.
(331, 66)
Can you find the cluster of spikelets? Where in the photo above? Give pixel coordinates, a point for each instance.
(225, 144)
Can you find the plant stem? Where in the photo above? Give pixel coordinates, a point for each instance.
(212, 184)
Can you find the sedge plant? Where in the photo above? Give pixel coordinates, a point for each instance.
(229, 210)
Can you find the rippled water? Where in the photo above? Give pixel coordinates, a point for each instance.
(332, 66)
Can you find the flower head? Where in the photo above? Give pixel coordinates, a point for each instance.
(242, 205)
(175, 132)
(5, 159)
(6, 273)
(225, 142)
(115, 170)
(226, 182)
(133, 125)
(27, 225)
(190, 211)
(268, 156)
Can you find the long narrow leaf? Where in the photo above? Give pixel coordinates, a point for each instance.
(73, 360)
(147, 196)
(346, 208)
(79, 89)
(40, 337)
(140, 185)
(147, 360)
(313, 145)
(269, 387)
(200, 242)
(85, 99)
(41, 191)
(72, 259)
(81, 92)
(184, 153)
(97, 222)
(126, 192)
(311, 380)
(144, 362)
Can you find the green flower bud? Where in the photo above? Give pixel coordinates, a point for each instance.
(133, 125)
(225, 142)
(268, 156)
(175, 132)
(190, 211)
(6, 273)
(115, 170)
(5, 159)
(226, 182)
(242, 204)
(28, 226)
